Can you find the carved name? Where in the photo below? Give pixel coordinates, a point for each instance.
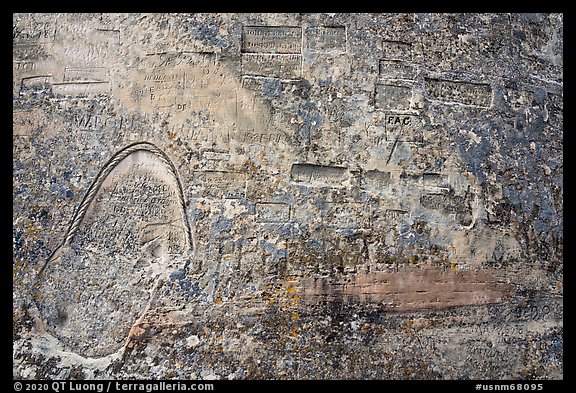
(395, 69)
(478, 94)
(342, 215)
(392, 97)
(285, 66)
(33, 32)
(220, 184)
(267, 212)
(375, 178)
(37, 82)
(402, 127)
(271, 39)
(396, 50)
(457, 205)
(326, 39)
(85, 74)
(319, 174)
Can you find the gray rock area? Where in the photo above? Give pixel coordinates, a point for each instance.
(288, 196)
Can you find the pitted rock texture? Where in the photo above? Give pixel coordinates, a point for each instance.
(288, 196)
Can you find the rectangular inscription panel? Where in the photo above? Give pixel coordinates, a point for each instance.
(391, 97)
(396, 69)
(109, 36)
(343, 215)
(36, 82)
(284, 66)
(327, 175)
(452, 52)
(86, 74)
(327, 39)
(396, 50)
(272, 212)
(454, 205)
(435, 182)
(23, 65)
(81, 88)
(518, 98)
(267, 188)
(376, 178)
(220, 184)
(479, 94)
(271, 39)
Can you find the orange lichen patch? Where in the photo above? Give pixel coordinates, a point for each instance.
(411, 289)
(284, 295)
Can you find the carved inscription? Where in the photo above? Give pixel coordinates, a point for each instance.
(37, 82)
(395, 69)
(271, 39)
(395, 214)
(272, 212)
(216, 155)
(456, 205)
(111, 36)
(24, 65)
(342, 215)
(286, 66)
(396, 50)
(260, 137)
(326, 39)
(131, 219)
(411, 290)
(376, 179)
(98, 122)
(392, 97)
(203, 134)
(451, 52)
(25, 122)
(220, 184)
(435, 182)
(81, 88)
(185, 82)
(33, 32)
(319, 174)
(161, 88)
(85, 74)
(402, 127)
(519, 99)
(478, 94)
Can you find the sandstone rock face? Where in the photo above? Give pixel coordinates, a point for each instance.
(288, 196)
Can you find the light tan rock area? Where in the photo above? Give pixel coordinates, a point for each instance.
(288, 196)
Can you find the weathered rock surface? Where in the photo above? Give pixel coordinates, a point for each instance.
(288, 196)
